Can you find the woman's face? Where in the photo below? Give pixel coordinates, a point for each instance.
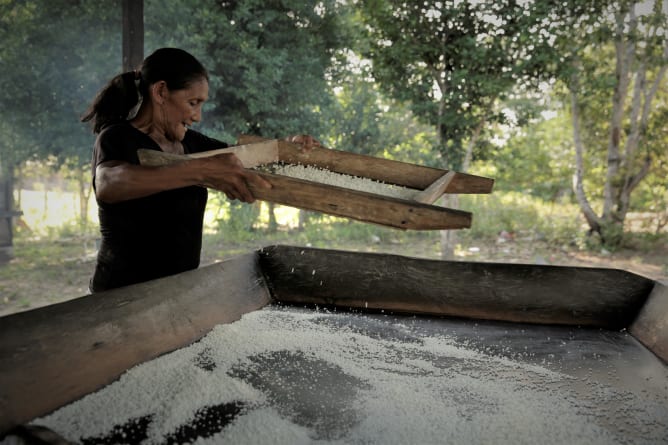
(181, 108)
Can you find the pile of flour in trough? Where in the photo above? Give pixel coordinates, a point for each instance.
(297, 376)
(328, 177)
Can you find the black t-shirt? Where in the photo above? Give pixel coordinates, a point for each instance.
(153, 236)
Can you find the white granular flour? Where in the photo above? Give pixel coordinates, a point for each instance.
(328, 177)
(299, 376)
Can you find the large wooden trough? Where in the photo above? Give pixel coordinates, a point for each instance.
(299, 345)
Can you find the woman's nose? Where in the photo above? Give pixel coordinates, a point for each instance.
(197, 115)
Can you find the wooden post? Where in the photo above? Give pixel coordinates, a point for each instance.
(6, 220)
(133, 34)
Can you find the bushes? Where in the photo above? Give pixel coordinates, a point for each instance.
(525, 216)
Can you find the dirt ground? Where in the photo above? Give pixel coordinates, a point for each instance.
(64, 274)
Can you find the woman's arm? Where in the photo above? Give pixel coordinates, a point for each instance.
(117, 181)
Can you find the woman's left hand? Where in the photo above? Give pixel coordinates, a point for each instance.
(306, 141)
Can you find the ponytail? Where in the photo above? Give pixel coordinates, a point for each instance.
(115, 101)
(120, 99)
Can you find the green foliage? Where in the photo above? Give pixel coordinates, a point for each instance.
(268, 60)
(362, 120)
(610, 237)
(452, 61)
(54, 57)
(331, 229)
(283, 67)
(622, 123)
(238, 225)
(536, 159)
(73, 230)
(524, 215)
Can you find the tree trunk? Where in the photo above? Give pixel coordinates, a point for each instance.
(303, 215)
(624, 53)
(449, 238)
(590, 215)
(643, 97)
(85, 190)
(6, 216)
(625, 170)
(273, 224)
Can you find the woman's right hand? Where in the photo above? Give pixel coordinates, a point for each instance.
(226, 173)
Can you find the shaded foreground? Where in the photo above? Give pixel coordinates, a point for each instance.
(291, 375)
(299, 345)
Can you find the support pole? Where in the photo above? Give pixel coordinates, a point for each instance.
(133, 34)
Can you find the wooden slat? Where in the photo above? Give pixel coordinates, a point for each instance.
(358, 205)
(605, 298)
(250, 155)
(379, 169)
(340, 201)
(56, 354)
(651, 325)
(436, 189)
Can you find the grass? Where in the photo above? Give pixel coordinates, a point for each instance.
(45, 271)
(56, 264)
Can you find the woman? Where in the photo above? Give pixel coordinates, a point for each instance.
(151, 217)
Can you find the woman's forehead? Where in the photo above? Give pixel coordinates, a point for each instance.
(198, 89)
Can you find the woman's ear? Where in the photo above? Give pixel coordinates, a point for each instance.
(159, 92)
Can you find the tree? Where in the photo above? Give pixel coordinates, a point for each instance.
(363, 120)
(637, 41)
(55, 55)
(268, 60)
(454, 62)
(535, 159)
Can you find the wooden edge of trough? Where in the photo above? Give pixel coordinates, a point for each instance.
(54, 355)
(594, 297)
(651, 325)
(384, 170)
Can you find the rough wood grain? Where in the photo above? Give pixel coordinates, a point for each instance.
(384, 170)
(651, 325)
(606, 298)
(358, 205)
(250, 155)
(54, 355)
(436, 189)
(344, 202)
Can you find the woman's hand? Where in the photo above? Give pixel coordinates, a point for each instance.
(306, 141)
(226, 173)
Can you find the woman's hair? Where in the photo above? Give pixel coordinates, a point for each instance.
(114, 101)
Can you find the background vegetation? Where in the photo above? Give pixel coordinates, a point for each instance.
(565, 105)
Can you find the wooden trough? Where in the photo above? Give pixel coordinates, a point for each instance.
(413, 214)
(607, 326)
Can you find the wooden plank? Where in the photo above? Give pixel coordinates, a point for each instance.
(250, 155)
(54, 355)
(133, 34)
(436, 189)
(358, 205)
(379, 169)
(651, 325)
(605, 298)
